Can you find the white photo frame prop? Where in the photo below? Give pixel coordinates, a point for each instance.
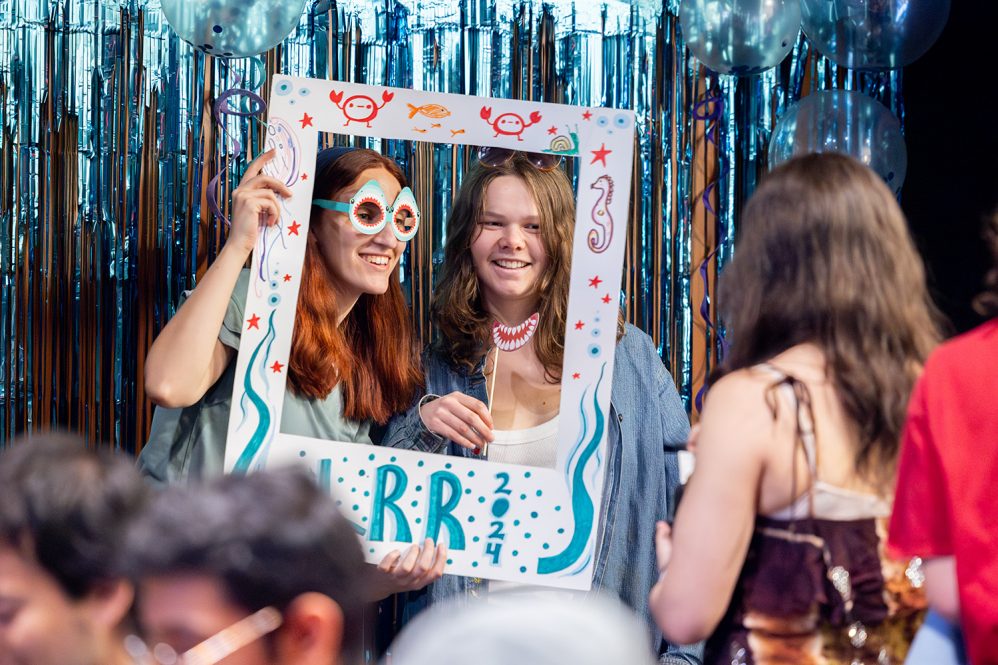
(500, 521)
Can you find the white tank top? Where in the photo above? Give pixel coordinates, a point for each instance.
(534, 446)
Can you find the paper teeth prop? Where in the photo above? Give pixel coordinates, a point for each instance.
(511, 338)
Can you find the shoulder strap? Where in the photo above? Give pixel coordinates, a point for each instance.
(798, 396)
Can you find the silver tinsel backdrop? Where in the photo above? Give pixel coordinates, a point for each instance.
(107, 145)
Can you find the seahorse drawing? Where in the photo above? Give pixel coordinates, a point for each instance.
(599, 238)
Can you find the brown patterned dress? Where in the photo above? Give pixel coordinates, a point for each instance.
(817, 587)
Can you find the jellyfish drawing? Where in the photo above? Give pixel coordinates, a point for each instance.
(286, 164)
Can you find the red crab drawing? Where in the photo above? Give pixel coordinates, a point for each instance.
(359, 108)
(509, 124)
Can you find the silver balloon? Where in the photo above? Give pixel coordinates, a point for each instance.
(740, 37)
(873, 34)
(842, 121)
(233, 28)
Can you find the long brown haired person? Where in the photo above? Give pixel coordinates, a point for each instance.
(776, 551)
(508, 258)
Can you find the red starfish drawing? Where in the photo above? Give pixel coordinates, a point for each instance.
(606, 299)
(595, 282)
(287, 278)
(578, 325)
(276, 366)
(304, 176)
(552, 130)
(587, 115)
(576, 375)
(293, 229)
(306, 121)
(254, 322)
(600, 155)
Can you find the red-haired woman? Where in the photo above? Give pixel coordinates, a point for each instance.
(341, 380)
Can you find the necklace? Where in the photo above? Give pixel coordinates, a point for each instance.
(511, 338)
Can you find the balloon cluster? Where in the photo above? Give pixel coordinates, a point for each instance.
(740, 37)
(745, 37)
(873, 34)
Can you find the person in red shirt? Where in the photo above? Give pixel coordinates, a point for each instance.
(944, 508)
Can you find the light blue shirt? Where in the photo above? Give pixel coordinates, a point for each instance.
(646, 428)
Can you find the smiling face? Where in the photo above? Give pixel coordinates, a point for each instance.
(508, 252)
(358, 263)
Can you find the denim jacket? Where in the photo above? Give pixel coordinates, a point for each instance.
(647, 425)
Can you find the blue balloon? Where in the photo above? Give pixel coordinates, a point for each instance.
(740, 37)
(842, 121)
(233, 28)
(873, 34)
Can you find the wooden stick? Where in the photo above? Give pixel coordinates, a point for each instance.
(492, 390)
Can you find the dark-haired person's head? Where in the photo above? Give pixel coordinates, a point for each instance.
(258, 569)
(63, 512)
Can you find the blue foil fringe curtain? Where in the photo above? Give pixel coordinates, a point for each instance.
(107, 146)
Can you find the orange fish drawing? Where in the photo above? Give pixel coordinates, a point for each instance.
(428, 110)
(435, 125)
(421, 131)
(455, 132)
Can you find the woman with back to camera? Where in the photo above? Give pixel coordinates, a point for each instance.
(507, 263)
(777, 551)
(342, 377)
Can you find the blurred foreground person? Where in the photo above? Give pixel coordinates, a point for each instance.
(524, 630)
(63, 509)
(256, 570)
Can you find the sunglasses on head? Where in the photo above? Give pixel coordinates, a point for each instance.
(499, 157)
(369, 210)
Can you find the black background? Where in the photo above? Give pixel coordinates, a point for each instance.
(951, 130)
